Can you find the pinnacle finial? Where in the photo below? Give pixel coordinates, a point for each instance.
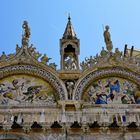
(69, 18)
(69, 31)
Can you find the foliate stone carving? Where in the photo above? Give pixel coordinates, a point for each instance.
(33, 52)
(104, 73)
(109, 59)
(36, 55)
(5, 57)
(26, 53)
(31, 49)
(53, 65)
(45, 59)
(28, 69)
(41, 58)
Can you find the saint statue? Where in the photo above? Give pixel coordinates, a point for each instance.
(107, 39)
(26, 34)
(3, 56)
(70, 87)
(26, 29)
(70, 63)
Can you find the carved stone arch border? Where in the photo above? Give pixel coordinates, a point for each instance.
(48, 76)
(103, 73)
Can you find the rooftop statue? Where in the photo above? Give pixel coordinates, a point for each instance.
(107, 39)
(3, 56)
(118, 53)
(17, 48)
(26, 29)
(103, 52)
(26, 34)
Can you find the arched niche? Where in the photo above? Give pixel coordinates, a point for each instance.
(69, 55)
(24, 83)
(107, 83)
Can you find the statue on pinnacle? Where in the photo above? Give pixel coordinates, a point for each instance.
(107, 38)
(26, 34)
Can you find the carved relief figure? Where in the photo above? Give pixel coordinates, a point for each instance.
(70, 63)
(70, 87)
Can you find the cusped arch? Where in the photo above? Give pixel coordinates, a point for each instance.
(47, 76)
(94, 75)
(70, 43)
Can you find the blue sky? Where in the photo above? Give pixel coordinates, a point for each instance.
(48, 18)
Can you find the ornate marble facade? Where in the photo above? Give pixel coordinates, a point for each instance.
(96, 99)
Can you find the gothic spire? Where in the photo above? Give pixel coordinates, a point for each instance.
(69, 31)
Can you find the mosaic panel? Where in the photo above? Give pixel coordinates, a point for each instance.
(112, 90)
(22, 89)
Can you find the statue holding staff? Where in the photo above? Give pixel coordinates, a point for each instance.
(107, 38)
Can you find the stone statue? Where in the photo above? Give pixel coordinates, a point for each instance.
(26, 34)
(17, 48)
(107, 39)
(103, 52)
(70, 63)
(45, 59)
(3, 56)
(83, 65)
(118, 54)
(73, 63)
(70, 87)
(97, 58)
(26, 29)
